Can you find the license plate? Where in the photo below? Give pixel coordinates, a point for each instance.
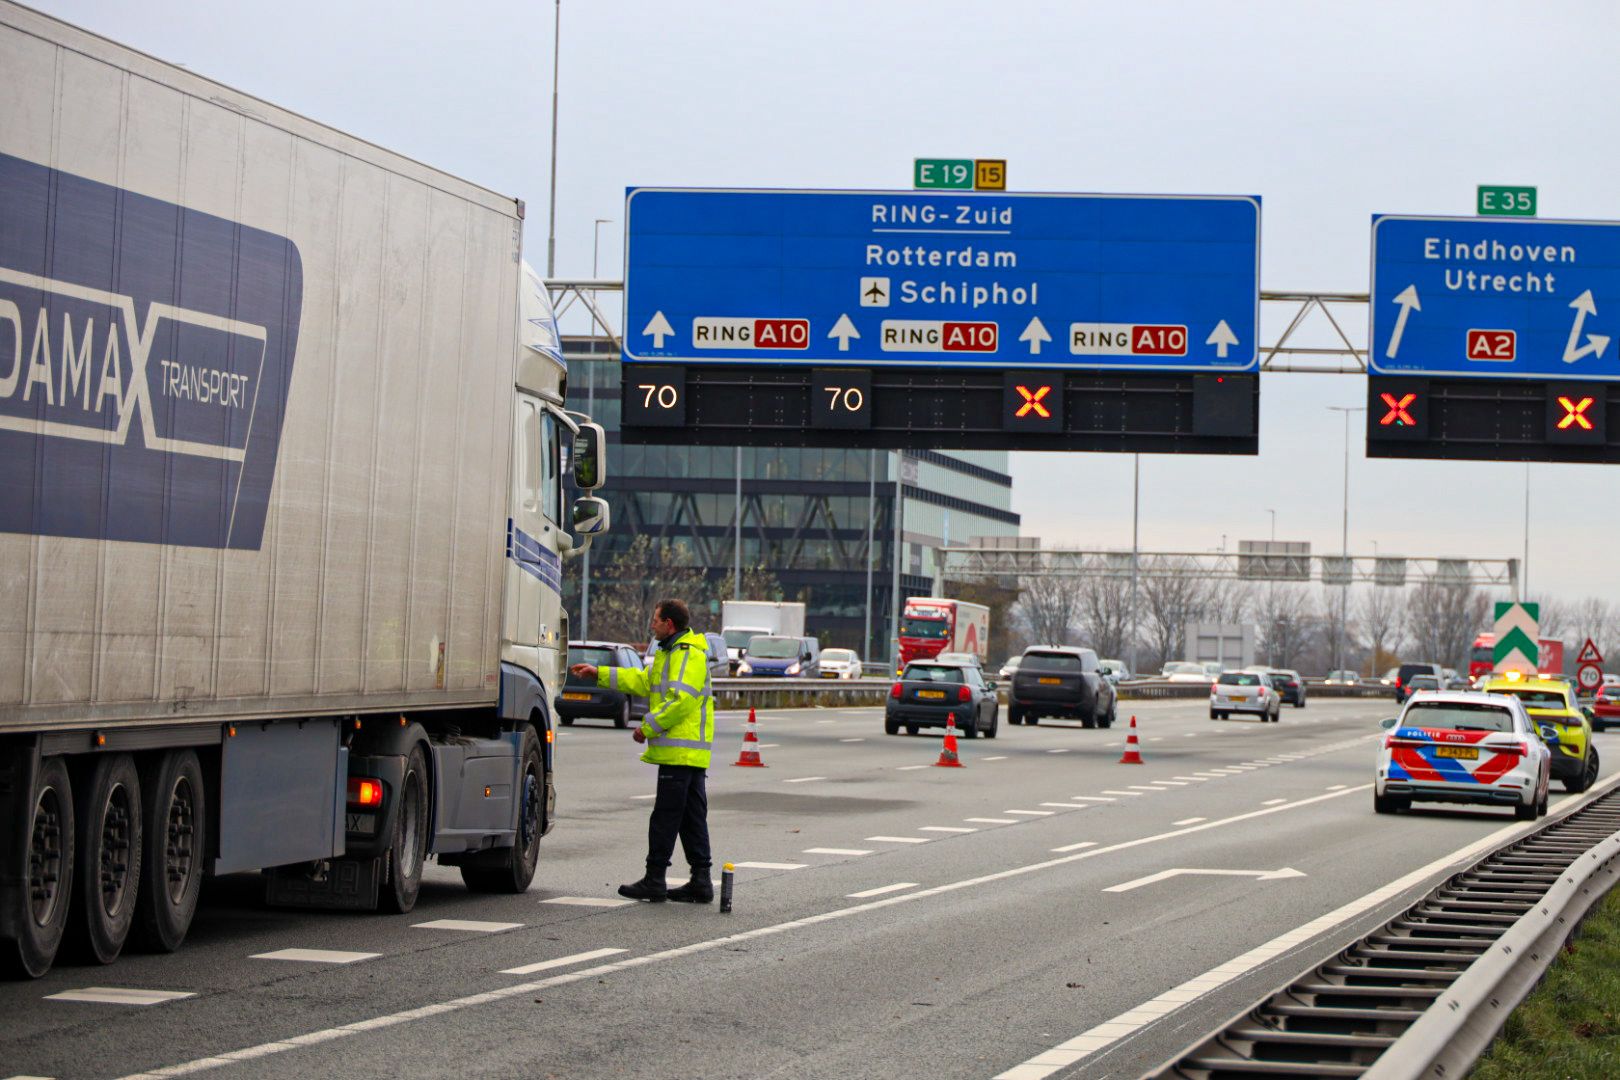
(1051, 682)
(365, 824)
(1465, 753)
(1240, 697)
(576, 697)
(940, 694)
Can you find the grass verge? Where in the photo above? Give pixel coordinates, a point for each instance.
(1569, 1027)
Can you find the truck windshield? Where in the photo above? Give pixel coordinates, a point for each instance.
(739, 639)
(933, 629)
(774, 648)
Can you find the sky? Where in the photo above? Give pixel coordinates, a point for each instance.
(1330, 112)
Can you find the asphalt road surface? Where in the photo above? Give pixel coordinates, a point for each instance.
(1020, 917)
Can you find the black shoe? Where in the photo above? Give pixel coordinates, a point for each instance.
(649, 889)
(700, 890)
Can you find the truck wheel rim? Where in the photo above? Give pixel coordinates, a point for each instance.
(178, 841)
(531, 808)
(45, 858)
(115, 850)
(409, 809)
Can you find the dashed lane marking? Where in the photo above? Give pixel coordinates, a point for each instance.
(638, 797)
(588, 901)
(908, 768)
(1172, 783)
(769, 865)
(946, 828)
(1194, 779)
(1091, 798)
(1075, 847)
(880, 890)
(468, 924)
(1132, 794)
(1059, 750)
(837, 851)
(1273, 802)
(803, 779)
(993, 820)
(1145, 787)
(1336, 787)
(769, 745)
(1189, 821)
(317, 956)
(998, 757)
(899, 839)
(561, 961)
(119, 995)
(851, 740)
(1031, 813)
(1068, 805)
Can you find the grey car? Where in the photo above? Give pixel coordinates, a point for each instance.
(928, 693)
(582, 698)
(1062, 682)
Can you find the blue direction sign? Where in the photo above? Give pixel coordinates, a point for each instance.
(1495, 298)
(1146, 282)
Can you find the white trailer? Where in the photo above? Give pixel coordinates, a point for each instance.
(741, 620)
(281, 521)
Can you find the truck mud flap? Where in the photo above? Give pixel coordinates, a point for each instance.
(341, 884)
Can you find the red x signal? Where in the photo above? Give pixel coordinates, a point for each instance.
(1575, 413)
(1397, 410)
(1032, 401)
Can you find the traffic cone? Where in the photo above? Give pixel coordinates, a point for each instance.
(1133, 751)
(750, 746)
(947, 753)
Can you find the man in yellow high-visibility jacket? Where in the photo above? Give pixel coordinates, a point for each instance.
(678, 731)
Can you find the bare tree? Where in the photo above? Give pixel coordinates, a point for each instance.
(1441, 621)
(1378, 618)
(644, 573)
(1049, 609)
(1595, 618)
(1228, 600)
(1105, 615)
(1283, 612)
(1168, 602)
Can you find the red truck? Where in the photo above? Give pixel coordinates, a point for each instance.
(931, 625)
(1481, 659)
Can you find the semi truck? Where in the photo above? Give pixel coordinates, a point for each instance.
(741, 620)
(282, 519)
(930, 625)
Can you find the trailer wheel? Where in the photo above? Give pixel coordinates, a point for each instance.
(175, 827)
(408, 851)
(515, 868)
(44, 894)
(108, 880)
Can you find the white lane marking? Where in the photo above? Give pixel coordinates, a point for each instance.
(468, 924)
(1170, 783)
(1190, 735)
(769, 866)
(908, 768)
(826, 721)
(896, 887)
(1283, 874)
(1273, 802)
(1030, 813)
(1132, 794)
(1068, 805)
(119, 995)
(588, 901)
(638, 797)
(1076, 847)
(1194, 779)
(561, 961)
(1155, 738)
(946, 828)
(1088, 1042)
(998, 757)
(317, 956)
(29, 1076)
(803, 779)
(1189, 821)
(1091, 798)
(1059, 750)
(993, 820)
(851, 740)
(1144, 787)
(899, 839)
(680, 952)
(1336, 787)
(837, 851)
(769, 745)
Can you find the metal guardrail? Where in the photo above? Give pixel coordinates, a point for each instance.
(781, 693)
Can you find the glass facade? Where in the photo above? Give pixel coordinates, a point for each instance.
(805, 512)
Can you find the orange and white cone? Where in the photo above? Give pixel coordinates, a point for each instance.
(947, 753)
(1133, 749)
(750, 746)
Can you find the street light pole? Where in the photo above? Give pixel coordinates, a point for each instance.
(590, 408)
(871, 554)
(1136, 518)
(556, 58)
(1344, 541)
(1273, 514)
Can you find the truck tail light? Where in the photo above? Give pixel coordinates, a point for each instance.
(365, 791)
(964, 694)
(894, 691)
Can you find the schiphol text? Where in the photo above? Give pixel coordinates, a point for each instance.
(960, 293)
(1460, 279)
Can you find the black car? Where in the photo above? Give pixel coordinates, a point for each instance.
(1290, 685)
(582, 698)
(928, 693)
(1063, 682)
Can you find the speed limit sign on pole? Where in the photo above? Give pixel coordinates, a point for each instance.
(1589, 676)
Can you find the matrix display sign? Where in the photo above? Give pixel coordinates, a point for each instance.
(938, 297)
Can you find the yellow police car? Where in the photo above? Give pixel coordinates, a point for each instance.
(1548, 701)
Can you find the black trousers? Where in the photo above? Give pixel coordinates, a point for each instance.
(681, 809)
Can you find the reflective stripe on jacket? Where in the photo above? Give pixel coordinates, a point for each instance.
(680, 721)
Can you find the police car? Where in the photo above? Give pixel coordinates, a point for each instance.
(1464, 747)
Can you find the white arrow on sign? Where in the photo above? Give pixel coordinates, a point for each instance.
(843, 330)
(1584, 305)
(659, 328)
(1408, 299)
(1222, 338)
(1035, 333)
(1165, 875)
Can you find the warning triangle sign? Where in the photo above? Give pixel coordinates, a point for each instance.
(1589, 654)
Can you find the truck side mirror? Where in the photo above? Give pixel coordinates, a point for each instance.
(590, 460)
(591, 516)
